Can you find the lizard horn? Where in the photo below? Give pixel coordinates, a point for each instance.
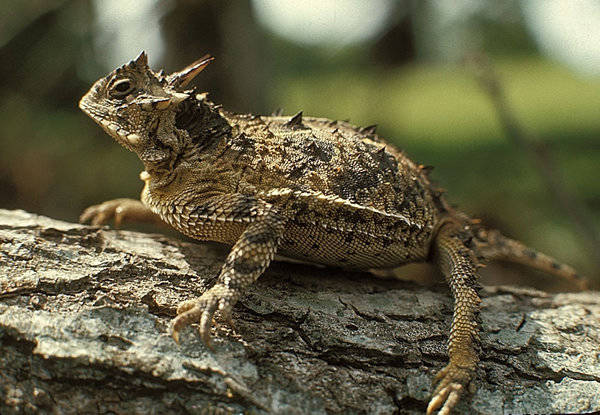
(182, 78)
(142, 59)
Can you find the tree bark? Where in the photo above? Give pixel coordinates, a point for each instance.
(84, 316)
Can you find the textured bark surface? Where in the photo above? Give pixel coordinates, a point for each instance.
(84, 314)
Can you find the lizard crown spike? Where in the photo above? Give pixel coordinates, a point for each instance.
(142, 59)
(138, 64)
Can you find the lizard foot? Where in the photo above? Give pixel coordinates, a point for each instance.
(202, 310)
(451, 382)
(117, 209)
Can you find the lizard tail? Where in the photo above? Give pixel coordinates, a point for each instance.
(493, 246)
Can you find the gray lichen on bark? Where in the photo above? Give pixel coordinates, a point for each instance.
(84, 315)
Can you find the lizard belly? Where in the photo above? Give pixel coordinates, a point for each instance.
(347, 249)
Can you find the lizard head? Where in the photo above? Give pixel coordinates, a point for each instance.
(133, 102)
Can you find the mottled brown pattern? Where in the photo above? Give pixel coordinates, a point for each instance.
(313, 189)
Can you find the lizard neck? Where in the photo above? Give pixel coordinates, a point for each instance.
(183, 138)
(203, 123)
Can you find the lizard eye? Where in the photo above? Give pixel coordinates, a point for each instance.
(121, 88)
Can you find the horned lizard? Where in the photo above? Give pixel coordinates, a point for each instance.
(313, 189)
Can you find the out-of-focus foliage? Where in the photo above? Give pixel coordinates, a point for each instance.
(55, 161)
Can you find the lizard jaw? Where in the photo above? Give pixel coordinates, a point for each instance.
(129, 140)
(126, 139)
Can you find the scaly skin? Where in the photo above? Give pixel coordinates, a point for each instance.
(312, 189)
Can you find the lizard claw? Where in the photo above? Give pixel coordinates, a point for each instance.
(175, 335)
(201, 311)
(451, 382)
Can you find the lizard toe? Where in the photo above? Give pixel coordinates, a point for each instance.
(190, 312)
(206, 319)
(451, 382)
(117, 210)
(447, 396)
(186, 306)
(100, 214)
(202, 311)
(90, 214)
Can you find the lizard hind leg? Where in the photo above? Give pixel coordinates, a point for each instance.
(458, 264)
(248, 259)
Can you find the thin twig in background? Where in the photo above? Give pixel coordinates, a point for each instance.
(538, 154)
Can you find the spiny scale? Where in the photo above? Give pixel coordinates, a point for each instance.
(295, 121)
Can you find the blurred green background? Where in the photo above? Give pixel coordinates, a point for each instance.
(398, 64)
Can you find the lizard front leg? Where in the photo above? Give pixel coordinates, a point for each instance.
(248, 259)
(458, 264)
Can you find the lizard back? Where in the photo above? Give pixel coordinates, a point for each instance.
(351, 200)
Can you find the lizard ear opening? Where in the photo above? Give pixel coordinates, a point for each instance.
(182, 78)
